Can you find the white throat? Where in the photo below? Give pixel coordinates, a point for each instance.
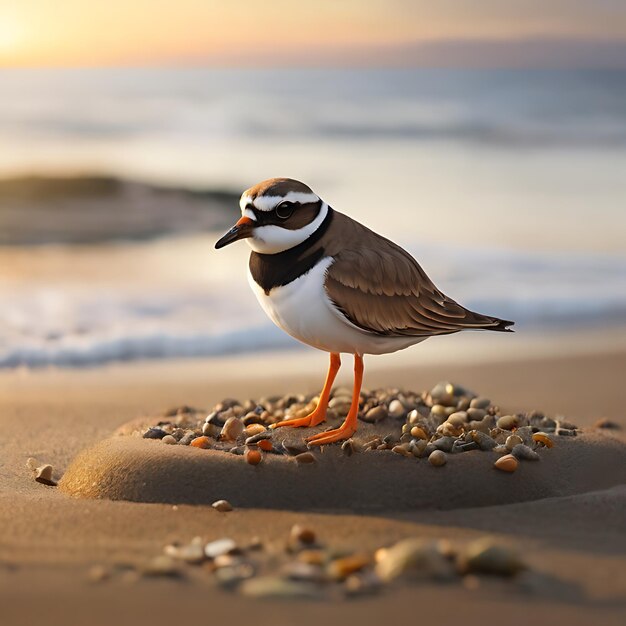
(274, 239)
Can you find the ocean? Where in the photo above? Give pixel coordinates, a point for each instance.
(507, 186)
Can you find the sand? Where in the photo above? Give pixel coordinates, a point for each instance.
(574, 539)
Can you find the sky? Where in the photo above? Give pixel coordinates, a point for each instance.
(35, 33)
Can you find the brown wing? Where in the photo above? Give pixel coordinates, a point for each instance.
(380, 288)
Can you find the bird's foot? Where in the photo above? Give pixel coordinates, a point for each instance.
(312, 419)
(345, 431)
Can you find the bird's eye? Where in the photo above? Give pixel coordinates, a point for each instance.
(284, 210)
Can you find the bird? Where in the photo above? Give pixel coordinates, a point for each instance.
(334, 284)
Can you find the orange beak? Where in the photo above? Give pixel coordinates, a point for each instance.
(241, 230)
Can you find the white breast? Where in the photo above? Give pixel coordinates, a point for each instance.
(303, 310)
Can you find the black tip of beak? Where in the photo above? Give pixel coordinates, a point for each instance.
(234, 234)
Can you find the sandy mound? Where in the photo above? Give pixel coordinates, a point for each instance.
(142, 470)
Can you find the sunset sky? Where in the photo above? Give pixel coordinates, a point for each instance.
(287, 32)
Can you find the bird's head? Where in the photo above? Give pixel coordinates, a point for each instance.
(276, 215)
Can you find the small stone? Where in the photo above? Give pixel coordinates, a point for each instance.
(32, 464)
(98, 574)
(340, 569)
(444, 443)
(458, 419)
(501, 449)
(230, 576)
(254, 429)
(480, 403)
(476, 414)
(419, 433)
(437, 458)
(607, 424)
(253, 456)
(522, 451)
(396, 409)
(485, 556)
(312, 556)
(543, 439)
(376, 414)
(305, 458)
(187, 438)
(276, 587)
(340, 403)
(43, 475)
(170, 440)
(220, 547)
(361, 584)
(349, 447)
(506, 463)
(298, 570)
(402, 450)
(154, 433)
(484, 441)
(201, 442)
(223, 506)
(566, 432)
(512, 441)
(507, 422)
(162, 565)
(232, 429)
(210, 430)
(414, 559)
(302, 534)
(190, 553)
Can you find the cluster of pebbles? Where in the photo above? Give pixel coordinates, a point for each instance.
(446, 420)
(299, 566)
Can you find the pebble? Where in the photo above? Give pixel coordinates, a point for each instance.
(607, 424)
(162, 565)
(232, 429)
(154, 433)
(187, 438)
(211, 430)
(223, 506)
(458, 419)
(506, 463)
(376, 414)
(277, 587)
(43, 475)
(414, 559)
(305, 458)
(476, 414)
(507, 422)
(254, 429)
(32, 464)
(480, 403)
(340, 569)
(402, 450)
(253, 457)
(349, 447)
(232, 575)
(543, 439)
(302, 535)
(298, 570)
(512, 441)
(437, 458)
(190, 553)
(444, 443)
(220, 547)
(362, 584)
(522, 451)
(418, 432)
(266, 434)
(170, 439)
(396, 409)
(484, 441)
(201, 442)
(486, 556)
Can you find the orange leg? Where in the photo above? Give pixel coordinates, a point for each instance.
(319, 414)
(348, 428)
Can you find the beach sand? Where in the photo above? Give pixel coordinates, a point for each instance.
(575, 543)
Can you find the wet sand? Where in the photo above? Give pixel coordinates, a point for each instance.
(49, 540)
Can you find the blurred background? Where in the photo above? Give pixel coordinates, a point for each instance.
(488, 138)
